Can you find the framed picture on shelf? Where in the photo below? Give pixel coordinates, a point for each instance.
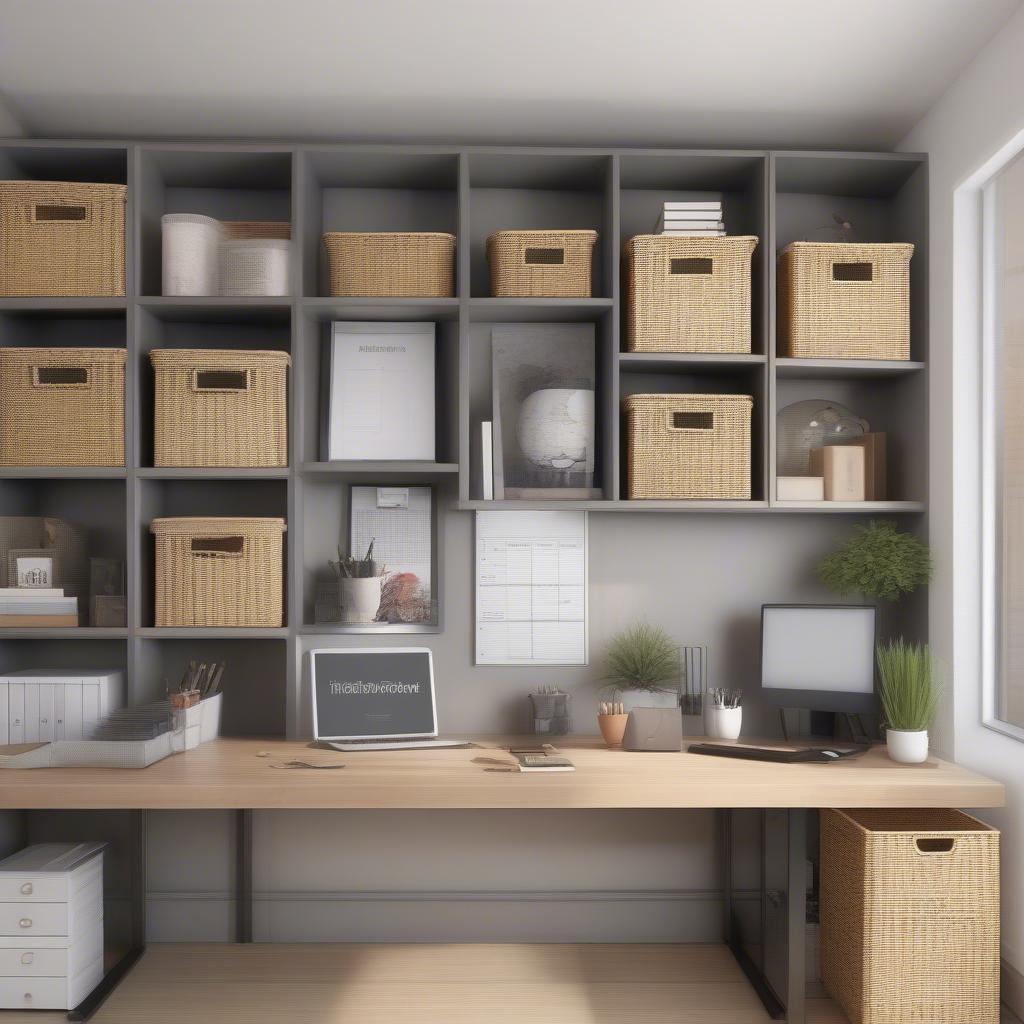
(30, 568)
(543, 384)
(378, 392)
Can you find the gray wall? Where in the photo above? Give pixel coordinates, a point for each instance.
(599, 876)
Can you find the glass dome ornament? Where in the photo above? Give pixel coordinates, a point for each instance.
(813, 423)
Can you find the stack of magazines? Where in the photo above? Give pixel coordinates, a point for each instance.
(701, 217)
(37, 606)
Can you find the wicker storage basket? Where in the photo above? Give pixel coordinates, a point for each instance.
(61, 238)
(220, 408)
(688, 294)
(219, 572)
(910, 916)
(688, 446)
(844, 300)
(395, 264)
(234, 229)
(254, 266)
(62, 406)
(541, 264)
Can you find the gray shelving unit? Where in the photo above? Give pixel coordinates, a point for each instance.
(469, 191)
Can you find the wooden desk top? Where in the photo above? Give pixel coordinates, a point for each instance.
(230, 773)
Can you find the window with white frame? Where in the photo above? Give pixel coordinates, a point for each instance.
(1003, 312)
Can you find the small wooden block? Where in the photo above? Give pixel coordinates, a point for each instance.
(800, 488)
(842, 466)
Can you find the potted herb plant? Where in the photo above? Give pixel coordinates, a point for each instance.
(878, 561)
(642, 661)
(909, 690)
(359, 586)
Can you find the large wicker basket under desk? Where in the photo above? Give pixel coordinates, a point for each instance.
(844, 300)
(910, 916)
(399, 264)
(62, 406)
(541, 264)
(688, 294)
(220, 407)
(219, 571)
(688, 446)
(61, 238)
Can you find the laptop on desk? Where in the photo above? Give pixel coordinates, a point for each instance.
(375, 698)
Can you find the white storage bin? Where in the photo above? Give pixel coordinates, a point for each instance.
(254, 266)
(191, 254)
(197, 724)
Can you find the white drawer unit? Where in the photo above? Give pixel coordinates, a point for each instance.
(51, 925)
(45, 704)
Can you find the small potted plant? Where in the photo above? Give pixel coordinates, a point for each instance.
(641, 661)
(359, 586)
(909, 691)
(878, 561)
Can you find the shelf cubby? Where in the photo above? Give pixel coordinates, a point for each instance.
(42, 160)
(253, 683)
(373, 189)
(230, 183)
(513, 190)
(477, 402)
(184, 327)
(732, 378)
(314, 332)
(76, 649)
(163, 497)
(325, 524)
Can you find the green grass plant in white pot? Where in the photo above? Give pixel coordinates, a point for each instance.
(909, 690)
(642, 667)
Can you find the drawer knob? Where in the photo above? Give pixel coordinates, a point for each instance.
(27, 890)
(28, 958)
(25, 922)
(28, 997)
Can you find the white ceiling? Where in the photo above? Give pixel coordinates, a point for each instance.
(843, 73)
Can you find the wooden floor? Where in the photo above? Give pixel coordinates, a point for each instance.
(434, 984)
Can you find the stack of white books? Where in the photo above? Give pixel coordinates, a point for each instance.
(701, 218)
(37, 606)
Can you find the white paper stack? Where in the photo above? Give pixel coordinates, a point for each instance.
(701, 218)
(37, 606)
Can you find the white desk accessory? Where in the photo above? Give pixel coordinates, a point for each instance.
(48, 704)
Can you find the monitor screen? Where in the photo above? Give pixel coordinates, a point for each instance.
(820, 657)
(366, 693)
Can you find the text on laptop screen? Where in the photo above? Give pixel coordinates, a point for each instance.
(373, 693)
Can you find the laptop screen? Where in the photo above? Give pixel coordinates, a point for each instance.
(360, 694)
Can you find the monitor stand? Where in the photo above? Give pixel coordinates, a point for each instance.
(823, 725)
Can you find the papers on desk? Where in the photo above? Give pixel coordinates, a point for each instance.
(531, 588)
(87, 753)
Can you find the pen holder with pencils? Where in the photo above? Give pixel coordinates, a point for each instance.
(195, 723)
(723, 714)
(550, 712)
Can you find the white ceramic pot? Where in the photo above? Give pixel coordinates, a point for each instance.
(556, 429)
(907, 747)
(642, 699)
(360, 598)
(723, 723)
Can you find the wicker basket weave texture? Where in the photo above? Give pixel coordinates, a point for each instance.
(61, 238)
(219, 407)
(688, 294)
(219, 571)
(910, 936)
(396, 264)
(541, 264)
(62, 406)
(238, 229)
(821, 316)
(706, 457)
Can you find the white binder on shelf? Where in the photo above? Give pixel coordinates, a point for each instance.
(378, 398)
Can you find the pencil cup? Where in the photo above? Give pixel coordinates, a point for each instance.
(612, 728)
(723, 723)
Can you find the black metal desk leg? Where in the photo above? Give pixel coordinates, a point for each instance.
(243, 876)
(95, 999)
(796, 939)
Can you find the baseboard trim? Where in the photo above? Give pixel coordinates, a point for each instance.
(437, 896)
(1011, 988)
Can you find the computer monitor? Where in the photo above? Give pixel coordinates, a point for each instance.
(373, 693)
(819, 657)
